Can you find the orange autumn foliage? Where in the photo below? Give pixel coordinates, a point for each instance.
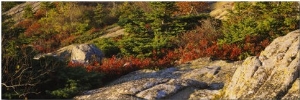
(187, 8)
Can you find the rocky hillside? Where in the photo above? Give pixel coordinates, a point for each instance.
(150, 50)
(274, 74)
(17, 11)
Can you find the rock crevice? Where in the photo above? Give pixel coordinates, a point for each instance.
(149, 84)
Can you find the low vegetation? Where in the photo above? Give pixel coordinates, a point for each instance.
(161, 35)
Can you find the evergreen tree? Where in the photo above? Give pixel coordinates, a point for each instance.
(46, 6)
(99, 14)
(28, 13)
(156, 29)
(163, 19)
(260, 19)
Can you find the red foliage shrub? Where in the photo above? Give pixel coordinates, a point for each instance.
(115, 67)
(92, 30)
(74, 64)
(66, 40)
(254, 45)
(186, 8)
(25, 23)
(235, 52)
(33, 29)
(39, 48)
(39, 14)
(119, 66)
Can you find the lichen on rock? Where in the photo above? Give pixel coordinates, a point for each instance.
(272, 74)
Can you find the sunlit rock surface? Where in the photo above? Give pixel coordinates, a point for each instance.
(272, 74)
(79, 53)
(171, 83)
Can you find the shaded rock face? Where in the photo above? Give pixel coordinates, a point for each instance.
(81, 53)
(294, 91)
(272, 74)
(171, 83)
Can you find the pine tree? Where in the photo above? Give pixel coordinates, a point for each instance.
(261, 19)
(99, 14)
(28, 13)
(164, 21)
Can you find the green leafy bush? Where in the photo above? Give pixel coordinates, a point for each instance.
(261, 19)
(71, 89)
(70, 81)
(252, 25)
(28, 13)
(108, 46)
(136, 46)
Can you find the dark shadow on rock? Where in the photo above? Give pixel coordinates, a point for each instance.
(197, 84)
(215, 86)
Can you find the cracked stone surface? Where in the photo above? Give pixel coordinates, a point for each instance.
(176, 82)
(272, 74)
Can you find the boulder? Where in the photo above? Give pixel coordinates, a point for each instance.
(272, 74)
(85, 53)
(80, 53)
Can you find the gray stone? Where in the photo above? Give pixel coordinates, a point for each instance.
(17, 11)
(80, 53)
(86, 53)
(271, 74)
(149, 84)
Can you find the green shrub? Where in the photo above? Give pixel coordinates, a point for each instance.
(193, 20)
(70, 81)
(28, 13)
(71, 89)
(108, 46)
(261, 19)
(137, 46)
(252, 25)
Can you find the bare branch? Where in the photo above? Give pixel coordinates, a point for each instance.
(18, 85)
